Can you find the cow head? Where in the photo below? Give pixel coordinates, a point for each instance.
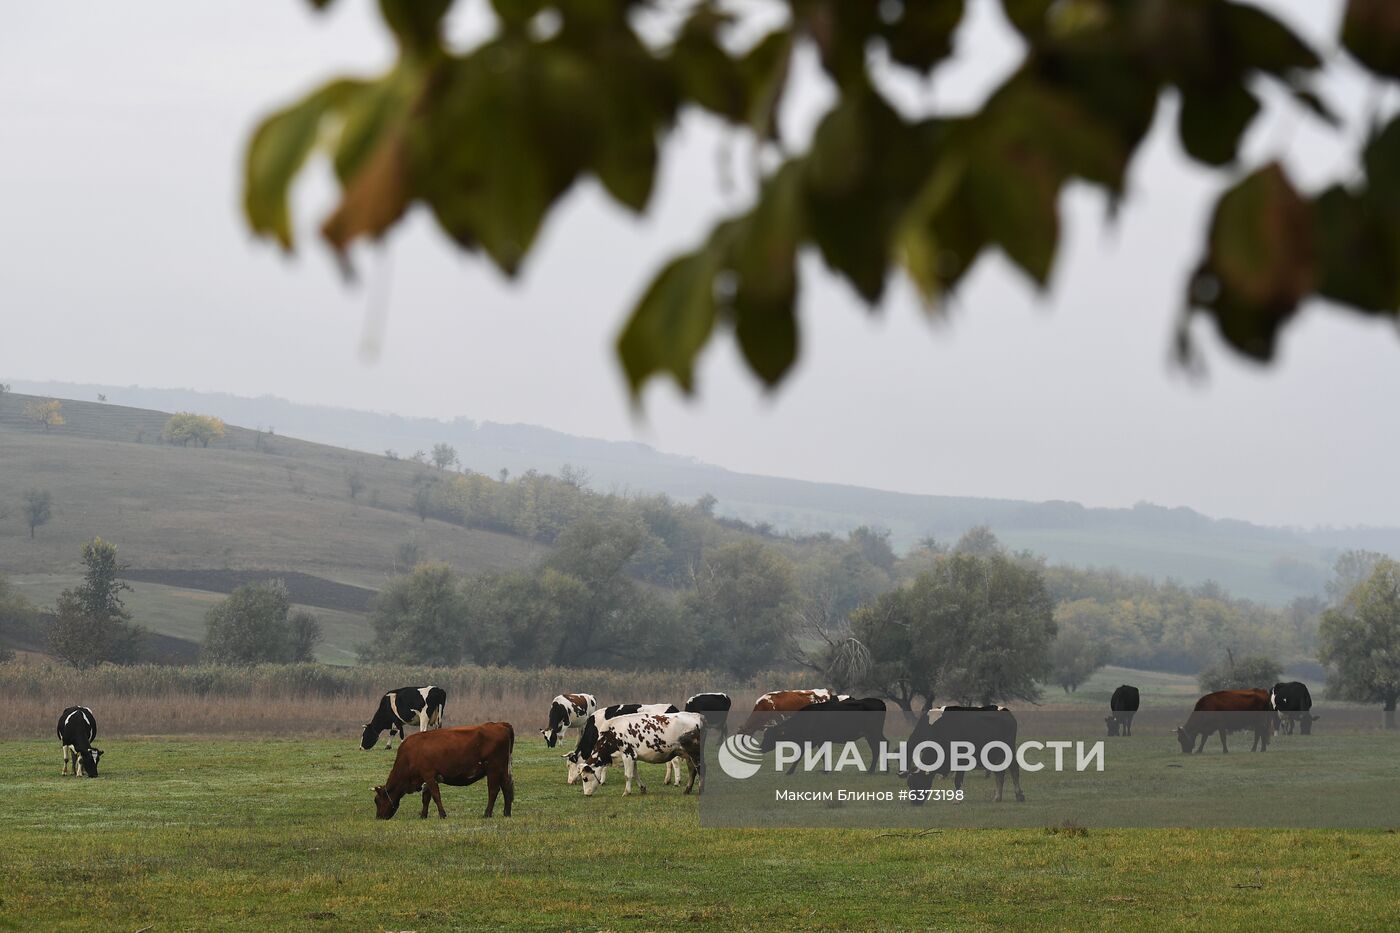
(1113, 726)
(558, 722)
(369, 736)
(576, 764)
(591, 774)
(89, 758)
(1185, 739)
(1305, 722)
(385, 806)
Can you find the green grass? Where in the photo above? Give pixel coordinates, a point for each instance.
(179, 612)
(221, 834)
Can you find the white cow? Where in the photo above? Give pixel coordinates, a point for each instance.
(588, 735)
(651, 737)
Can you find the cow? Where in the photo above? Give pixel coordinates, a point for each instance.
(77, 727)
(1123, 704)
(1294, 704)
(402, 707)
(859, 719)
(650, 737)
(588, 737)
(772, 707)
(565, 710)
(714, 707)
(979, 726)
(1229, 711)
(457, 756)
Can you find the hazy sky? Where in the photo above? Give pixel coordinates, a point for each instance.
(124, 259)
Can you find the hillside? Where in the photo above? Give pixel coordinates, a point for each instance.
(249, 502)
(1269, 564)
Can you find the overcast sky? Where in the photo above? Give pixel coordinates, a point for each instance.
(124, 259)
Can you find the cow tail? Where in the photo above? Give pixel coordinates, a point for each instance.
(510, 755)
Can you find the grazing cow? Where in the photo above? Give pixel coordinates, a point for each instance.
(1229, 711)
(77, 727)
(1123, 704)
(402, 707)
(714, 707)
(861, 719)
(565, 710)
(588, 737)
(650, 737)
(772, 707)
(457, 756)
(1294, 704)
(978, 726)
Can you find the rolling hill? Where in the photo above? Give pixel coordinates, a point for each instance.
(1259, 562)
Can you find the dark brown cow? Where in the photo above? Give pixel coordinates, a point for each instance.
(1229, 711)
(771, 707)
(458, 756)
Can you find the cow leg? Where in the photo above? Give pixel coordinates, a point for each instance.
(629, 769)
(493, 787)
(1016, 781)
(423, 720)
(1202, 746)
(1001, 784)
(1224, 748)
(427, 795)
(437, 799)
(65, 759)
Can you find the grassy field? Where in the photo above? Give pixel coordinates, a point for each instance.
(229, 834)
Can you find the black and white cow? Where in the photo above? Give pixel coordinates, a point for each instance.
(1123, 705)
(77, 727)
(651, 737)
(1293, 703)
(714, 707)
(977, 725)
(588, 737)
(565, 710)
(403, 707)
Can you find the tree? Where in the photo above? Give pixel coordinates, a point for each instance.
(1359, 641)
(49, 414)
(978, 541)
(1074, 657)
(186, 426)
(972, 629)
(91, 624)
(408, 556)
(444, 455)
(255, 625)
(876, 188)
(741, 610)
(355, 483)
(1247, 673)
(423, 502)
(38, 509)
(418, 619)
(1351, 569)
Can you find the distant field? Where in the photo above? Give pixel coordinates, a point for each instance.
(177, 612)
(245, 503)
(226, 834)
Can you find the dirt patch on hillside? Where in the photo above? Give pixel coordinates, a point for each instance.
(304, 589)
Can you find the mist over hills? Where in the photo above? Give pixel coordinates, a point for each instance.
(1261, 562)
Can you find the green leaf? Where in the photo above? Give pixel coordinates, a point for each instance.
(705, 72)
(1213, 120)
(764, 71)
(278, 150)
(367, 117)
(1265, 44)
(671, 323)
(1358, 252)
(415, 23)
(1027, 16)
(1382, 159)
(761, 254)
(1260, 262)
(1371, 32)
(1016, 191)
(922, 36)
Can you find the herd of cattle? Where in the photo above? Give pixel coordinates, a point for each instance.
(662, 733)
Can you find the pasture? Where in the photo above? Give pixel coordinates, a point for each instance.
(243, 832)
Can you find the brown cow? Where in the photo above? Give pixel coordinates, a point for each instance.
(458, 756)
(1229, 711)
(770, 707)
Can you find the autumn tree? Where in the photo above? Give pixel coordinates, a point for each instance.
(49, 414)
(1359, 641)
(38, 509)
(184, 427)
(742, 608)
(1074, 657)
(91, 623)
(256, 624)
(574, 91)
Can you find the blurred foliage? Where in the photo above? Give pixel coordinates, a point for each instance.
(1360, 641)
(490, 138)
(1247, 673)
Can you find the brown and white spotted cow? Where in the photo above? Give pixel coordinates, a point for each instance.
(651, 737)
(565, 710)
(773, 707)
